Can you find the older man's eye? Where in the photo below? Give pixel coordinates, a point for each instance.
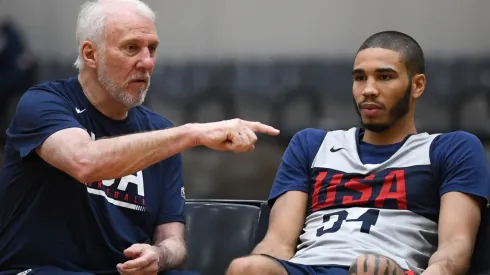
(152, 48)
(131, 48)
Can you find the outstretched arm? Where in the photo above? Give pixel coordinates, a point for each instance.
(45, 124)
(72, 150)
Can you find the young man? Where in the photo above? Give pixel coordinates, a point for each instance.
(381, 199)
(92, 181)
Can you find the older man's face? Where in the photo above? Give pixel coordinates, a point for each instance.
(128, 57)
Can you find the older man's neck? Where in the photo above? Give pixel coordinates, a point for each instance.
(100, 98)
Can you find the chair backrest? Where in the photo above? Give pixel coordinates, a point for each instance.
(480, 263)
(220, 231)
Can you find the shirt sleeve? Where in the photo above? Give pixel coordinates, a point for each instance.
(293, 172)
(171, 188)
(172, 202)
(39, 114)
(462, 164)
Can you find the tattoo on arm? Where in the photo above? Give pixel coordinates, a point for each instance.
(375, 265)
(365, 260)
(393, 271)
(353, 268)
(387, 269)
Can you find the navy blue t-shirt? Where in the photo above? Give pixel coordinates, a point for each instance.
(457, 163)
(47, 218)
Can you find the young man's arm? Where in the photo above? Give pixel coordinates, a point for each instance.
(458, 226)
(289, 196)
(285, 224)
(465, 189)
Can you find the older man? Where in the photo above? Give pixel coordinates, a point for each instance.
(90, 176)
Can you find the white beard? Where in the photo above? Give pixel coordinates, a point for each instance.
(119, 92)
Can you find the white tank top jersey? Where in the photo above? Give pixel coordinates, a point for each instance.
(390, 208)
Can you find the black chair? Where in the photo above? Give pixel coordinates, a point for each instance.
(480, 264)
(219, 231)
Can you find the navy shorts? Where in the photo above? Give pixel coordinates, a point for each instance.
(300, 269)
(58, 271)
(43, 271)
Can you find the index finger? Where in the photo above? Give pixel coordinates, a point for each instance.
(262, 128)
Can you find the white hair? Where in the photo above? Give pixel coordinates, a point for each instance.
(92, 20)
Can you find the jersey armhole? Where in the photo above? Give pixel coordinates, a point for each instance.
(312, 151)
(433, 157)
